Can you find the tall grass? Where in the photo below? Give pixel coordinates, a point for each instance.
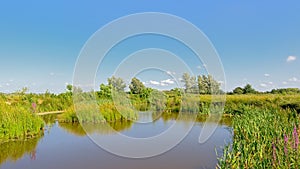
(264, 139)
(235, 104)
(104, 111)
(18, 122)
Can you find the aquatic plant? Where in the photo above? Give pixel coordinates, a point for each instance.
(261, 140)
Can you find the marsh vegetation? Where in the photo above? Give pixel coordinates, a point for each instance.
(265, 126)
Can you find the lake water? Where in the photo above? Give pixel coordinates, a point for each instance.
(66, 146)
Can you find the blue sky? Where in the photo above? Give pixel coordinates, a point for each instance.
(258, 41)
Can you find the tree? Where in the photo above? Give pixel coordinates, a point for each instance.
(145, 92)
(208, 85)
(249, 90)
(238, 90)
(136, 86)
(189, 83)
(286, 91)
(69, 88)
(105, 91)
(214, 86)
(116, 83)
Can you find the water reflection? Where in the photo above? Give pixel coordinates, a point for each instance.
(66, 145)
(14, 150)
(49, 119)
(225, 120)
(90, 128)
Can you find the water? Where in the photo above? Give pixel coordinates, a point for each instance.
(66, 146)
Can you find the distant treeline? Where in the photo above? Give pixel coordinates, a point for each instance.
(249, 90)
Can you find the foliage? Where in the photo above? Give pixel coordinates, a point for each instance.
(105, 91)
(263, 139)
(136, 86)
(117, 84)
(285, 91)
(202, 84)
(105, 111)
(238, 90)
(246, 90)
(18, 122)
(190, 83)
(208, 85)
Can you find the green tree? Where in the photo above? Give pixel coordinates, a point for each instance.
(249, 90)
(238, 90)
(208, 85)
(116, 83)
(136, 86)
(69, 88)
(286, 91)
(105, 91)
(190, 83)
(145, 93)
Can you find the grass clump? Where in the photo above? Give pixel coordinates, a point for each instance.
(17, 122)
(104, 111)
(264, 139)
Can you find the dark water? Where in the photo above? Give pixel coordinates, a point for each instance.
(66, 146)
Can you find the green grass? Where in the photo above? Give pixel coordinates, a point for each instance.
(259, 140)
(18, 122)
(105, 111)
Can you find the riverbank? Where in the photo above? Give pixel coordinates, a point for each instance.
(18, 119)
(264, 139)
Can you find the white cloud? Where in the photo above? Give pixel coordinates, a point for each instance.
(263, 85)
(7, 84)
(199, 67)
(291, 58)
(52, 74)
(153, 82)
(271, 83)
(267, 75)
(0, 86)
(284, 83)
(168, 81)
(170, 73)
(293, 79)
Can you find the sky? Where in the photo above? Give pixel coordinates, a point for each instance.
(258, 42)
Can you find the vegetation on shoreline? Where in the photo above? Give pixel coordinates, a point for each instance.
(264, 139)
(266, 125)
(18, 122)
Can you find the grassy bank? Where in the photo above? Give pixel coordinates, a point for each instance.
(264, 139)
(18, 122)
(105, 111)
(17, 113)
(235, 104)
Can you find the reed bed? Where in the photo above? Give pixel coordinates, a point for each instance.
(17, 122)
(264, 139)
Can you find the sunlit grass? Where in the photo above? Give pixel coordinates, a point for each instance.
(18, 122)
(264, 139)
